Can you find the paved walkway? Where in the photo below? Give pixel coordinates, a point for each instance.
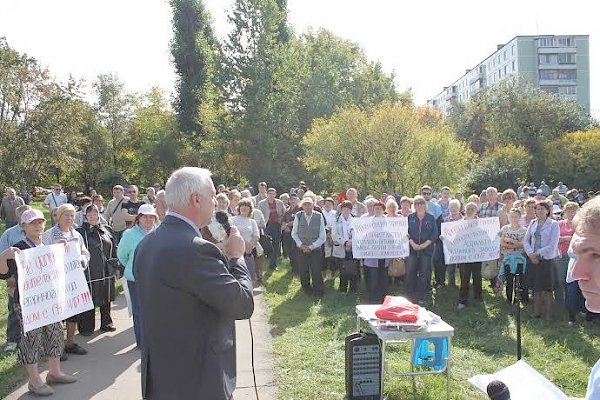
(111, 369)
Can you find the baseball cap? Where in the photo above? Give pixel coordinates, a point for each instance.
(31, 215)
(147, 209)
(556, 209)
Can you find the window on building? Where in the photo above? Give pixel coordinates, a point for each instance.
(556, 42)
(549, 89)
(546, 59)
(568, 90)
(566, 58)
(558, 74)
(513, 66)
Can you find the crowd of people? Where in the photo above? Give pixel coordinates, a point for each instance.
(316, 234)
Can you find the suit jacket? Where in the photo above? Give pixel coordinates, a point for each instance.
(190, 296)
(263, 206)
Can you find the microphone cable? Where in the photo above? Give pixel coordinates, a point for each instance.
(252, 357)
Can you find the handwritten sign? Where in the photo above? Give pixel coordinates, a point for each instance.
(380, 237)
(52, 285)
(471, 240)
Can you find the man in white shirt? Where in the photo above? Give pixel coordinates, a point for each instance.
(55, 199)
(309, 234)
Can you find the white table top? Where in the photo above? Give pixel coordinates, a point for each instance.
(435, 328)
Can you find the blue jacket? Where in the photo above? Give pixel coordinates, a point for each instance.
(129, 241)
(422, 232)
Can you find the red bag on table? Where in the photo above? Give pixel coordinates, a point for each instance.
(397, 309)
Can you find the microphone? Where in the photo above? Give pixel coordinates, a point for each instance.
(498, 390)
(223, 219)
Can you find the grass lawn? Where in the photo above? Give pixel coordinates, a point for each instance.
(309, 343)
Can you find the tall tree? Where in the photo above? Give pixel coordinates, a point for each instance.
(340, 75)
(261, 80)
(194, 50)
(156, 146)
(516, 112)
(114, 109)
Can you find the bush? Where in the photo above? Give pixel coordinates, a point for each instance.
(499, 167)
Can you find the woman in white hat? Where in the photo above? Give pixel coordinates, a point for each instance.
(46, 341)
(144, 224)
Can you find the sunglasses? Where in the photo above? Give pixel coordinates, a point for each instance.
(426, 193)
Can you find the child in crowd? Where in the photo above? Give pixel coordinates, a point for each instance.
(511, 245)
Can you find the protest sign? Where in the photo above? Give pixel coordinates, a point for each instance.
(52, 286)
(471, 240)
(380, 237)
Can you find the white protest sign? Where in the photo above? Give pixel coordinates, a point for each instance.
(52, 286)
(380, 237)
(471, 240)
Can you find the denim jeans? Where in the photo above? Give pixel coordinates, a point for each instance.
(135, 310)
(418, 272)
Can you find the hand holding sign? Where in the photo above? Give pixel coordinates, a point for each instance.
(472, 240)
(52, 285)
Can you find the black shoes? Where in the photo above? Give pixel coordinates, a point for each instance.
(75, 349)
(108, 328)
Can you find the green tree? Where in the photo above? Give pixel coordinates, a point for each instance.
(389, 147)
(340, 75)
(195, 56)
(155, 149)
(500, 167)
(262, 80)
(23, 85)
(48, 143)
(516, 112)
(573, 159)
(114, 108)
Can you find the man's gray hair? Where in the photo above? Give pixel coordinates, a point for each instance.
(183, 183)
(370, 201)
(491, 189)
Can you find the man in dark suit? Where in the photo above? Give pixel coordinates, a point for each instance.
(190, 294)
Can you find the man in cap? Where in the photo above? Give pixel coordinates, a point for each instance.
(309, 234)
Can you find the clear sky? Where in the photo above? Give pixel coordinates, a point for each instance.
(429, 44)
